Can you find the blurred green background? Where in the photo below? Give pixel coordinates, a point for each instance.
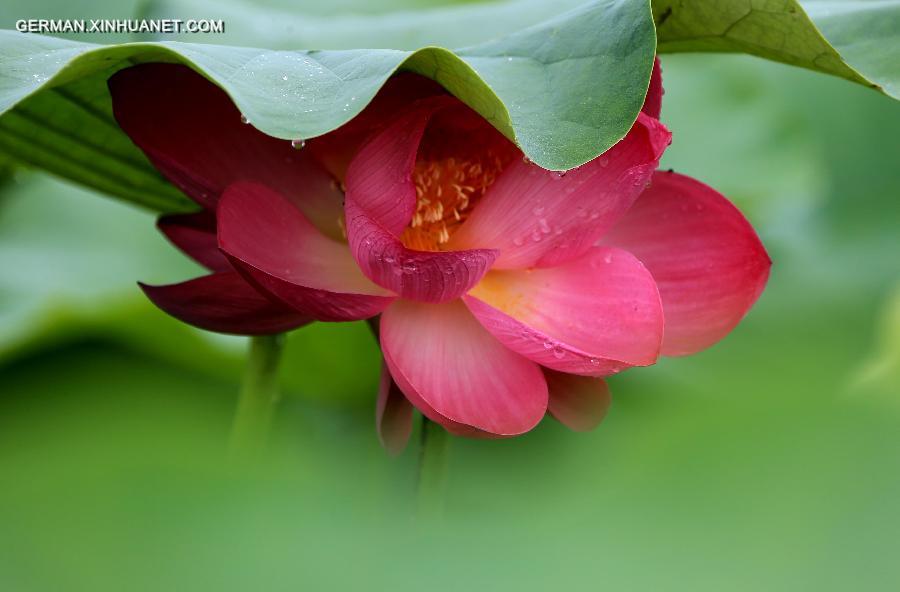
(769, 462)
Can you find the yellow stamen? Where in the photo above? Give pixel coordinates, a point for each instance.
(446, 192)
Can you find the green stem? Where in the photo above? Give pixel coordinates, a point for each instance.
(259, 396)
(432, 470)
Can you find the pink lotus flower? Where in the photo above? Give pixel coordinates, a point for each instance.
(505, 290)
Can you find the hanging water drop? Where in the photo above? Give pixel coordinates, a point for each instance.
(244, 119)
(298, 144)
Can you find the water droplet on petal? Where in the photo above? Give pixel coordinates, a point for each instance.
(595, 362)
(298, 143)
(537, 210)
(537, 235)
(558, 352)
(607, 258)
(544, 226)
(526, 160)
(548, 344)
(518, 241)
(244, 119)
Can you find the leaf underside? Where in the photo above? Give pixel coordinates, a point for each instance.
(58, 114)
(564, 90)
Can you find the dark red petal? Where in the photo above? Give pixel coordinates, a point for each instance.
(195, 235)
(192, 132)
(706, 258)
(653, 101)
(223, 302)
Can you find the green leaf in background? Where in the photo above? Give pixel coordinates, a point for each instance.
(563, 102)
(855, 39)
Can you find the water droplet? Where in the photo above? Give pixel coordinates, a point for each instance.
(560, 174)
(607, 258)
(548, 344)
(537, 210)
(594, 215)
(595, 362)
(536, 235)
(526, 160)
(298, 144)
(544, 226)
(409, 267)
(603, 161)
(558, 352)
(244, 119)
(388, 259)
(518, 241)
(284, 78)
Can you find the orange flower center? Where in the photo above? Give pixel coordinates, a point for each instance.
(446, 191)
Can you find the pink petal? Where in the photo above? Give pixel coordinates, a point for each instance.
(271, 241)
(192, 132)
(653, 101)
(223, 302)
(336, 149)
(393, 415)
(539, 218)
(449, 367)
(380, 201)
(195, 235)
(706, 258)
(594, 316)
(578, 402)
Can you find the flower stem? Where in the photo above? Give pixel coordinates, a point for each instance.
(432, 470)
(258, 398)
